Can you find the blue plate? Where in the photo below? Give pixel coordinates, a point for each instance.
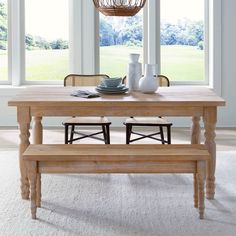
(104, 88)
(117, 91)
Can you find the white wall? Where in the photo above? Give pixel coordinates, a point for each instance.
(226, 115)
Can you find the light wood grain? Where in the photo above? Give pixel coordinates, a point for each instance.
(196, 130)
(23, 117)
(32, 173)
(179, 101)
(122, 167)
(165, 96)
(201, 166)
(37, 130)
(115, 152)
(59, 158)
(209, 119)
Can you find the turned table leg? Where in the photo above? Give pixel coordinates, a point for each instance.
(37, 130)
(23, 118)
(196, 130)
(38, 139)
(209, 119)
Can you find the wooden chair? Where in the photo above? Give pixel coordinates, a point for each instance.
(150, 122)
(72, 123)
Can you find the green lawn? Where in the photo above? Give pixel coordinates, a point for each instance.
(178, 62)
(182, 63)
(114, 59)
(3, 65)
(47, 64)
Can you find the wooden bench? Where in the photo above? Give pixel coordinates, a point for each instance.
(116, 158)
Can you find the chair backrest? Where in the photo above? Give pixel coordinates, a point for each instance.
(163, 81)
(83, 80)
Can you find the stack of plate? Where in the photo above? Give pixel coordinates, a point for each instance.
(101, 88)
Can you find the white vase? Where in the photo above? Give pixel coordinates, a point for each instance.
(134, 72)
(148, 83)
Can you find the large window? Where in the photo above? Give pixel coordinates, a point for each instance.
(119, 36)
(182, 40)
(46, 39)
(3, 41)
(38, 51)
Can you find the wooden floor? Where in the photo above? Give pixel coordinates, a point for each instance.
(225, 138)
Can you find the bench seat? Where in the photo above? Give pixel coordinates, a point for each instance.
(116, 158)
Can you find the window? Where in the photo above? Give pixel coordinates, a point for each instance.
(3, 41)
(46, 39)
(48, 25)
(182, 40)
(119, 36)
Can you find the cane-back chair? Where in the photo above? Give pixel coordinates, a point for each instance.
(73, 124)
(158, 122)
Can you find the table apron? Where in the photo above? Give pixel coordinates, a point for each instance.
(40, 111)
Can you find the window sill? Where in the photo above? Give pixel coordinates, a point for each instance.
(9, 90)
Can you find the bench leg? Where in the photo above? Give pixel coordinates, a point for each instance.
(32, 174)
(38, 192)
(201, 169)
(195, 195)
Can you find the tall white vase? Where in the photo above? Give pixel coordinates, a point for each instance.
(148, 83)
(134, 72)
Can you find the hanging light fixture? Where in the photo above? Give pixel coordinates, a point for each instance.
(119, 7)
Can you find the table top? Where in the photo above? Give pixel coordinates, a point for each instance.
(166, 96)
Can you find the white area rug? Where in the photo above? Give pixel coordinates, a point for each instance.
(117, 204)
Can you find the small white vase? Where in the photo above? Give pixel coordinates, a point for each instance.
(148, 83)
(134, 72)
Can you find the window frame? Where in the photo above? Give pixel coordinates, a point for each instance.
(8, 81)
(84, 41)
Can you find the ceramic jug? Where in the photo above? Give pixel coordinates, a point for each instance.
(148, 83)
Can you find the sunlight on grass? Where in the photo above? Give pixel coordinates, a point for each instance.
(3, 65)
(179, 63)
(47, 64)
(182, 63)
(114, 59)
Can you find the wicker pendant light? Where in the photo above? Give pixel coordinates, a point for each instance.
(119, 7)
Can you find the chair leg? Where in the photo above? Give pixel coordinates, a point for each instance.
(162, 135)
(72, 134)
(107, 134)
(168, 135)
(104, 133)
(66, 134)
(128, 133)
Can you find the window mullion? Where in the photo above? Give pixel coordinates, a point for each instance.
(75, 36)
(17, 40)
(215, 45)
(154, 32)
(89, 37)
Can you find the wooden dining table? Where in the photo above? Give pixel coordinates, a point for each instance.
(34, 103)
